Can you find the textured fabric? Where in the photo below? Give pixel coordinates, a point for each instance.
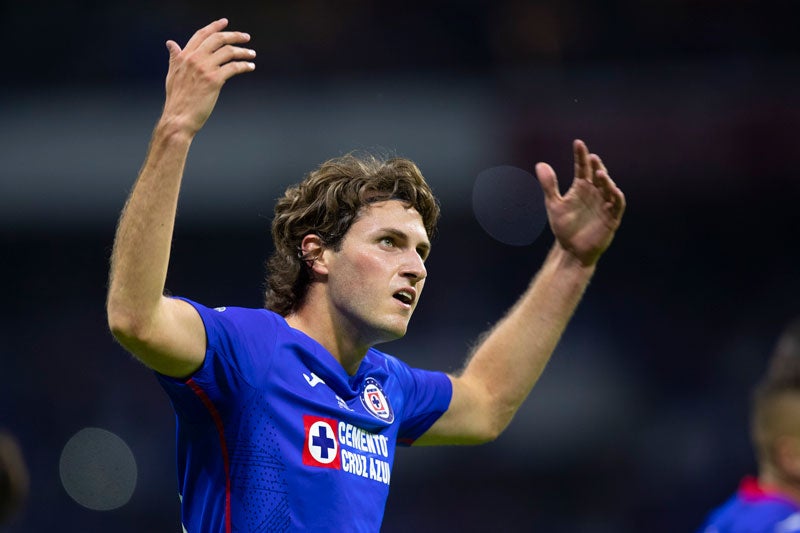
(274, 435)
(754, 509)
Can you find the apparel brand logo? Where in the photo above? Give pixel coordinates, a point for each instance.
(322, 445)
(375, 401)
(313, 379)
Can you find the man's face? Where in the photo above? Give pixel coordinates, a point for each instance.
(376, 278)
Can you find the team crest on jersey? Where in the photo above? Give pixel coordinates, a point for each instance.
(375, 400)
(322, 445)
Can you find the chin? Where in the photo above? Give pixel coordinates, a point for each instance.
(391, 332)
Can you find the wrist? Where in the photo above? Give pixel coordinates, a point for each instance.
(564, 259)
(171, 129)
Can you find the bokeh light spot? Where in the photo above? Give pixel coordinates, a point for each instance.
(509, 205)
(98, 469)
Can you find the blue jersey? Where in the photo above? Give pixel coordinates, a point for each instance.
(274, 435)
(754, 509)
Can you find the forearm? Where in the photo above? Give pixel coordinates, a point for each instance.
(510, 360)
(142, 245)
(507, 364)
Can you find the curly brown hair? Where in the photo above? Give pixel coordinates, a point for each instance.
(326, 203)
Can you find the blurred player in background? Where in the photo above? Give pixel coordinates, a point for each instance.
(287, 417)
(14, 479)
(770, 503)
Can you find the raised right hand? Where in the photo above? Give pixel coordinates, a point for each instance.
(198, 72)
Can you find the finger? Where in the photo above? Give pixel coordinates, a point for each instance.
(604, 184)
(613, 196)
(619, 203)
(218, 40)
(583, 168)
(597, 163)
(616, 207)
(203, 33)
(229, 70)
(597, 167)
(233, 53)
(173, 48)
(548, 180)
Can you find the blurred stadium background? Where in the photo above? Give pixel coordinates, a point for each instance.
(639, 423)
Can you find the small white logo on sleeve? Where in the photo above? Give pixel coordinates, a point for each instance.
(220, 309)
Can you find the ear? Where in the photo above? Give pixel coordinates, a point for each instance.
(312, 253)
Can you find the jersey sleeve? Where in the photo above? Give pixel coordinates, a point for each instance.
(427, 396)
(228, 362)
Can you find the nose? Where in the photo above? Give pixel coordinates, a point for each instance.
(414, 267)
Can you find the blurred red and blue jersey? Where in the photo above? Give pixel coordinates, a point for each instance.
(274, 435)
(754, 509)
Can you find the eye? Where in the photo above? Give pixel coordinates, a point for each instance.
(388, 242)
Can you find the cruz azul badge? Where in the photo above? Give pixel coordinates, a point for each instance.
(375, 401)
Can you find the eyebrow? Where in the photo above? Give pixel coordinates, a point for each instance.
(424, 245)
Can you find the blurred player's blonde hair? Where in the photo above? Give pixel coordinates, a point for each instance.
(775, 409)
(326, 203)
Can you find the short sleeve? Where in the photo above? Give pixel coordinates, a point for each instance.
(228, 361)
(427, 396)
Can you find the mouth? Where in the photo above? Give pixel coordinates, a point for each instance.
(405, 296)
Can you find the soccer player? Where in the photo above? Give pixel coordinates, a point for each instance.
(770, 503)
(14, 477)
(288, 417)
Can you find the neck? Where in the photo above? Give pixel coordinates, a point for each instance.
(338, 339)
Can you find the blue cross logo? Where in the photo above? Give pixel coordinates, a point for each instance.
(376, 401)
(323, 441)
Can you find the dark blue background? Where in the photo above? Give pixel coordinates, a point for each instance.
(640, 421)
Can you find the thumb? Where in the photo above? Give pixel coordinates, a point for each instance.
(547, 179)
(173, 49)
